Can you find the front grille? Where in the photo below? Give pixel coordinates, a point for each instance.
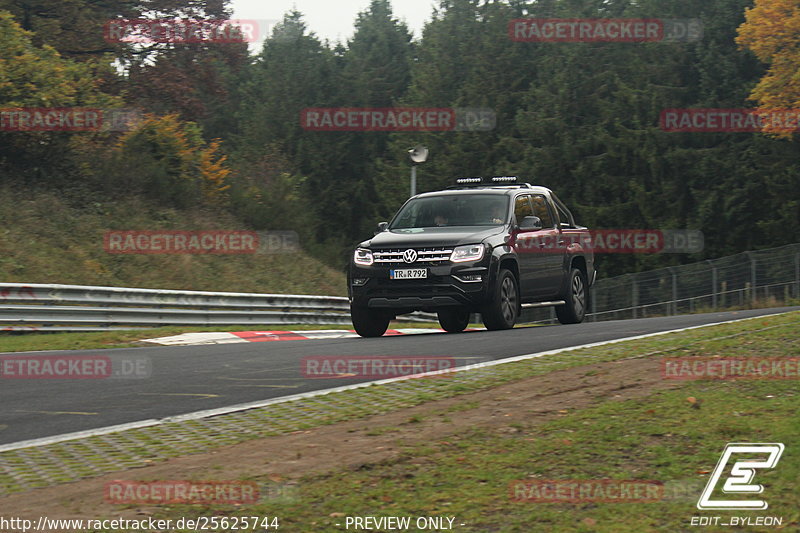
(424, 256)
(415, 286)
(423, 288)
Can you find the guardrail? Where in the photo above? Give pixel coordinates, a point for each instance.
(38, 307)
(761, 278)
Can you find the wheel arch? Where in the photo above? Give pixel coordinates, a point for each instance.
(579, 262)
(576, 261)
(509, 263)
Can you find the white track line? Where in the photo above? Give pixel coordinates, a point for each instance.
(264, 403)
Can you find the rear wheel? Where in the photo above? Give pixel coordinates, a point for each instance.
(574, 310)
(454, 320)
(369, 322)
(502, 311)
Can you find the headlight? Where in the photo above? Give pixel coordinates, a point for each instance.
(470, 252)
(363, 257)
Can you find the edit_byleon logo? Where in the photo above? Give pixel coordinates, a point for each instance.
(746, 459)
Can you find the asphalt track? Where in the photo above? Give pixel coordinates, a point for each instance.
(185, 379)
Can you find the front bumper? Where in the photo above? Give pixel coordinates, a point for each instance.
(444, 287)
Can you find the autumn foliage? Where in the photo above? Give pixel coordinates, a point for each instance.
(772, 32)
(213, 172)
(170, 160)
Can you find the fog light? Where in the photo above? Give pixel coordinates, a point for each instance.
(358, 282)
(470, 278)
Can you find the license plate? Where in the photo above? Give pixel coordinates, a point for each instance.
(409, 273)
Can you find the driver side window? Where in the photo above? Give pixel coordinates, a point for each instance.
(522, 207)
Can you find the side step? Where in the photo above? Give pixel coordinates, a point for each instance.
(543, 304)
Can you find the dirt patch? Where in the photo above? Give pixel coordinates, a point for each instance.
(362, 442)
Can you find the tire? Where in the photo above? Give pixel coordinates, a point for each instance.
(574, 311)
(369, 322)
(502, 312)
(454, 320)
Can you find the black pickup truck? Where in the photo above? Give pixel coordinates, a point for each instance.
(487, 245)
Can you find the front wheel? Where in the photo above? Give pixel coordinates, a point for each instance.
(574, 311)
(502, 311)
(369, 322)
(454, 320)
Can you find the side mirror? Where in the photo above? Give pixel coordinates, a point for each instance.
(530, 224)
(381, 227)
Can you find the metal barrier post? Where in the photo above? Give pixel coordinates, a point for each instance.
(713, 285)
(674, 290)
(797, 275)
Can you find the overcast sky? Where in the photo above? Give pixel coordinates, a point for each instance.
(332, 19)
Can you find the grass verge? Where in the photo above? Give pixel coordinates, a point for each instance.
(47, 239)
(673, 437)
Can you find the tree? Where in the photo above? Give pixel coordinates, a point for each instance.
(294, 70)
(377, 61)
(582, 118)
(198, 81)
(772, 32)
(375, 73)
(445, 74)
(32, 76)
(168, 160)
(77, 28)
(272, 154)
(39, 76)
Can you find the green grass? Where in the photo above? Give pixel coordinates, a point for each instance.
(44, 239)
(765, 336)
(660, 438)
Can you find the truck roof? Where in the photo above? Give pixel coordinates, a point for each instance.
(490, 189)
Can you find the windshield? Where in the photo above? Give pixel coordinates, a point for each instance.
(452, 210)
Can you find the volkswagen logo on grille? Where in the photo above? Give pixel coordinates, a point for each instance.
(410, 255)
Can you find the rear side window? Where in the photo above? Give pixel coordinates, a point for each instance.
(542, 210)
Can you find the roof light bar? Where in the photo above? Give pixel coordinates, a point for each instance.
(479, 181)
